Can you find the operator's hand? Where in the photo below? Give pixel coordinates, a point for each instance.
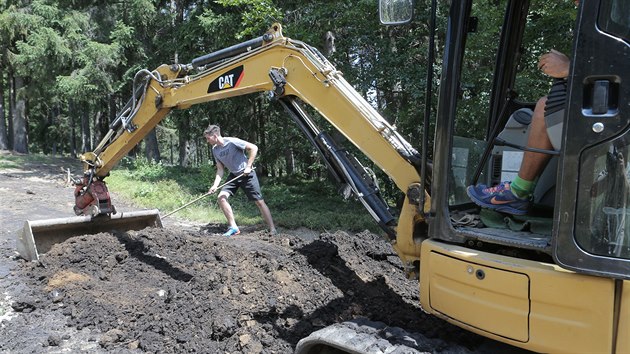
(212, 189)
(247, 171)
(554, 64)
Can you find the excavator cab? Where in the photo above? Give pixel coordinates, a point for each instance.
(578, 219)
(557, 279)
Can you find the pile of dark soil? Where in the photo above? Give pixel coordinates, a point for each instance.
(185, 288)
(161, 290)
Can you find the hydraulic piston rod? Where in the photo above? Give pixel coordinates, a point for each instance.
(231, 51)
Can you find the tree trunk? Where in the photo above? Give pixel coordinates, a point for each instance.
(264, 170)
(329, 43)
(200, 149)
(187, 150)
(98, 127)
(101, 123)
(4, 138)
(11, 82)
(20, 134)
(171, 140)
(289, 159)
(112, 109)
(184, 142)
(57, 141)
(152, 148)
(73, 140)
(85, 131)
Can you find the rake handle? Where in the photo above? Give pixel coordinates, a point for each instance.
(203, 196)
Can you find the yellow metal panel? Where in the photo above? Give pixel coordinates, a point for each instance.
(623, 333)
(146, 119)
(469, 292)
(570, 313)
(325, 90)
(342, 113)
(405, 246)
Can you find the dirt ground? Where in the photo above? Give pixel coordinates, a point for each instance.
(185, 288)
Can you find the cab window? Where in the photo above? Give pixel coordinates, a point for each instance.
(614, 18)
(603, 204)
(477, 79)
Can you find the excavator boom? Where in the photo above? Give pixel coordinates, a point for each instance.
(293, 73)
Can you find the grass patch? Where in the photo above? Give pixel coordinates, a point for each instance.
(9, 163)
(20, 161)
(293, 202)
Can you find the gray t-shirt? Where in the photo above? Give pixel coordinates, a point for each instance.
(232, 154)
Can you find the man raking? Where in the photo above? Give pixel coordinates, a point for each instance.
(238, 157)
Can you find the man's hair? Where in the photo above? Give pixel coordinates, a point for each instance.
(212, 129)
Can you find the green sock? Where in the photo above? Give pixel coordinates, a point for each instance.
(522, 188)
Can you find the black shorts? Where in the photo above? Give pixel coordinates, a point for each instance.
(554, 112)
(248, 183)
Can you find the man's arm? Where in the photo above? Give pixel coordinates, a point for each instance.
(252, 151)
(217, 177)
(554, 64)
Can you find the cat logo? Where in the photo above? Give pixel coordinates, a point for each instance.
(227, 80)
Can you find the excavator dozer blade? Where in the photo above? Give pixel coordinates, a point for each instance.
(38, 236)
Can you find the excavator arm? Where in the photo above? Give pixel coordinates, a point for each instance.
(293, 73)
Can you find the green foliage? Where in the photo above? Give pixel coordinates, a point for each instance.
(255, 15)
(78, 59)
(36, 161)
(549, 27)
(294, 202)
(145, 170)
(6, 162)
(190, 180)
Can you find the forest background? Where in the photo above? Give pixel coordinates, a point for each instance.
(66, 69)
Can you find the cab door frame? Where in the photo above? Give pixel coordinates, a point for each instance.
(601, 61)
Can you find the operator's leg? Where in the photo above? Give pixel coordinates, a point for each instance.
(533, 162)
(545, 133)
(514, 197)
(266, 214)
(226, 208)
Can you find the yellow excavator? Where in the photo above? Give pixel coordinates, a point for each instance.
(292, 72)
(558, 281)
